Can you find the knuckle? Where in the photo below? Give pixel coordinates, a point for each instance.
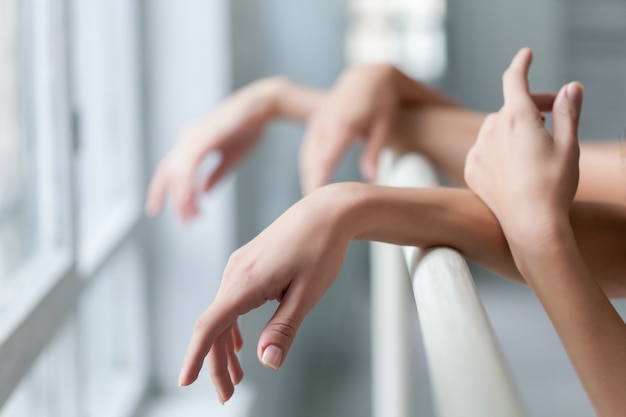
(240, 263)
(490, 121)
(487, 128)
(235, 257)
(569, 112)
(200, 324)
(286, 327)
(510, 118)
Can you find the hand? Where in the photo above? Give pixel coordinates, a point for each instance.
(363, 103)
(232, 130)
(294, 261)
(523, 173)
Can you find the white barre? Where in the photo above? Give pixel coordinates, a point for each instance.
(467, 372)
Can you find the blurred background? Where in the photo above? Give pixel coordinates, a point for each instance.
(97, 303)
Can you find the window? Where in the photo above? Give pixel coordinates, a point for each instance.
(18, 230)
(69, 203)
(410, 34)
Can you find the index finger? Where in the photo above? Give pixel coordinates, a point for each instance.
(321, 150)
(213, 321)
(156, 192)
(515, 78)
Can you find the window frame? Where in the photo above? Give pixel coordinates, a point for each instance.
(60, 272)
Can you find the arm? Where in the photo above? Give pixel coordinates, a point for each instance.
(445, 135)
(528, 178)
(297, 258)
(603, 172)
(363, 94)
(592, 332)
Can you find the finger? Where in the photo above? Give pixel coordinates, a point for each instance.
(566, 113)
(217, 318)
(156, 192)
(234, 367)
(183, 190)
(544, 101)
(320, 152)
(280, 331)
(217, 362)
(515, 78)
(185, 202)
(368, 163)
(225, 166)
(229, 159)
(237, 339)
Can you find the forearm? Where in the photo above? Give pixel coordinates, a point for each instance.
(602, 172)
(458, 218)
(413, 92)
(431, 217)
(592, 332)
(443, 134)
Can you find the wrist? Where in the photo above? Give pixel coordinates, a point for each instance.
(535, 224)
(272, 92)
(342, 204)
(539, 235)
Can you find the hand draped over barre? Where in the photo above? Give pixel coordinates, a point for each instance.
(364, 103)
(297, 258)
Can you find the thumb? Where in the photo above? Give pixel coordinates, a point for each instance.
(379, 136)
(566, 113)
(280, 331)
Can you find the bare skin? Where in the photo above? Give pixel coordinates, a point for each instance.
(273, 266)
(428, 123)
(515, 155)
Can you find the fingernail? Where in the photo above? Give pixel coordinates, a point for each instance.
(272, 357)
(574, 91)
(219, 397)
